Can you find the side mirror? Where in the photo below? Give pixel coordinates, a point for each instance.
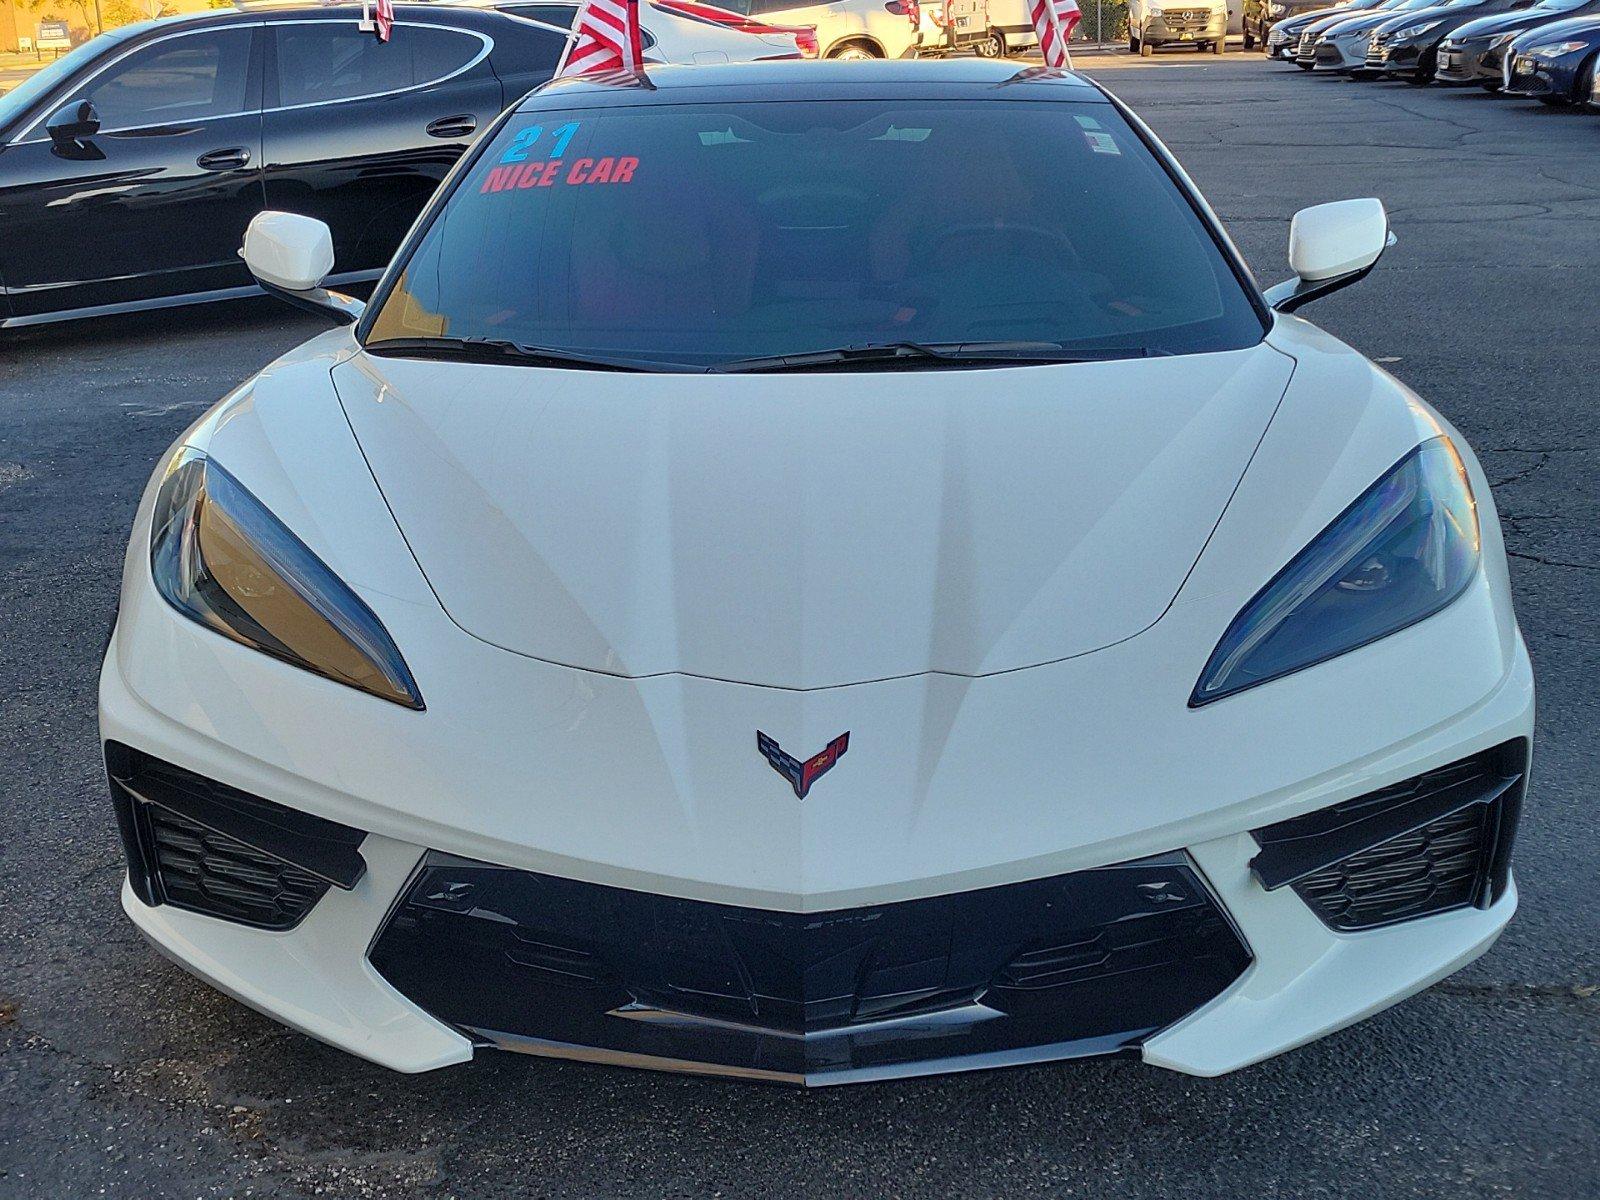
(71, 127)
(1331, 246)
(290, 256)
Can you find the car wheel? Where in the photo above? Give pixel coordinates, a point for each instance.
(993, 46)
(1146, 49)
(1249, 40)
(853, 52)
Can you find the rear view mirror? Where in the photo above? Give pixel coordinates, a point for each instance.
(71, 127)
(290, 255)
(1331, 246)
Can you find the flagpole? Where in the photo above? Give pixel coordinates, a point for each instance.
(572, 37)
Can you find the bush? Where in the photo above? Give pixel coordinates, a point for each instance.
(1103, 21)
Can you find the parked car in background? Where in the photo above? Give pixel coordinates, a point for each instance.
(687, 32)
(1554, 63)
(1283, 35)
(1475, 52)
(130, 168)
(847, 29)
(1407, 46)
(1202, 24)
(1350, 31)
(1261, 15)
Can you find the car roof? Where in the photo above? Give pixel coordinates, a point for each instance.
(295, 10)
(969, 78)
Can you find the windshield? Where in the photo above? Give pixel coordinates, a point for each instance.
(38, 85)
(697, 235)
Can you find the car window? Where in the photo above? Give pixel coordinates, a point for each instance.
(185, 78)
(551, 14)
(319, 61)
(38, 85)
(697, 233)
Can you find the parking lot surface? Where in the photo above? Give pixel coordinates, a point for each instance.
(121, 1076)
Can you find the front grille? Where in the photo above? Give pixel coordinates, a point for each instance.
(204, 846)
(1522, 74)
(208, 872)
(1307, 46)
(1437, 842)
(1433, 870)
(1087, 963)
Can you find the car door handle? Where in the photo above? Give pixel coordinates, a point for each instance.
(452, 127)
(224, 160)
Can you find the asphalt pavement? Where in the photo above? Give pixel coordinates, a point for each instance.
(122, 1076)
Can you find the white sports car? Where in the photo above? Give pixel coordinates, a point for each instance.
(819, 573)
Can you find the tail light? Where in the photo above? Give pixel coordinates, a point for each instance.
(805, 37)
(905, 8)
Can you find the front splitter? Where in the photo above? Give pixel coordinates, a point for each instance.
(1085, 964)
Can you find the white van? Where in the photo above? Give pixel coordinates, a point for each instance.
(1202, 24)
(1011, 29)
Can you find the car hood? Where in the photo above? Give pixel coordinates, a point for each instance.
(809, 530)
(1570, 29)
(1350, 24)
(1416, 16)
(1306, 16)
(1485, 28)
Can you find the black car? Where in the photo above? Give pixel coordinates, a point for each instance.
(1475, 52)
(1282, 34)
(1261, 15)
(130, 167)
(1407, 46)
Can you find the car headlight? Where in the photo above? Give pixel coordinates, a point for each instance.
(1557, 49)
(1404, 550)
(220, 558)
(1411, 31)
(1504, 39)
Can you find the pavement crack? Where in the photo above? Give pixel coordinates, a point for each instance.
(1552, 562)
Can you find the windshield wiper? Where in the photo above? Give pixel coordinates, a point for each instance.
(919, 354)
(499, 350)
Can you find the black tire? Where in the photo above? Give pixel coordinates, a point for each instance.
(993, 46)
(1249, 40)
(854, 50)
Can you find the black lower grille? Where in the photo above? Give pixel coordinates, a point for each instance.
(201, 845)
(208, 872)
(1437, 842)
(1087, 963)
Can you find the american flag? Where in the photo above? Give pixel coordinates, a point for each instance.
(383, 19)
(605, 37)
(1054, 21)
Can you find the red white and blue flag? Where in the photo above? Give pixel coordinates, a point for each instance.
(380, 22)
(1054, 21)
(605, 37)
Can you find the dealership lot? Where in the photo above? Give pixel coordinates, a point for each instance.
(119, 1073)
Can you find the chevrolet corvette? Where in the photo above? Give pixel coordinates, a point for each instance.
(873, 588)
